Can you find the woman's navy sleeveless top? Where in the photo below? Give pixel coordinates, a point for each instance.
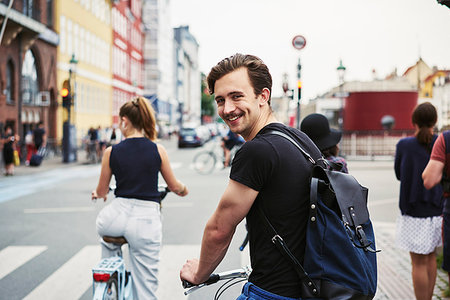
(135, 163)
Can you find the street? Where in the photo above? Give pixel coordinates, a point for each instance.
(49, 243)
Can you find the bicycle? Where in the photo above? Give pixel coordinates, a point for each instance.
(234, 277)
(211, 158)
(92, 152)
(111, 280)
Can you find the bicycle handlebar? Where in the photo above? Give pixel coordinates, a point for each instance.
(243, 272)
(213, 278)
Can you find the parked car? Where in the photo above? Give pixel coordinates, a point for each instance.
(190, 137)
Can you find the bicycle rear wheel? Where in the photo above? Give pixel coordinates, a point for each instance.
(205, 162)
(112, 290)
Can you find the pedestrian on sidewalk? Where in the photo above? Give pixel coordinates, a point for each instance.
(9, 141)
(438, 171)
(39, 137)
(135, 212)
(317, 128)
(419, 225)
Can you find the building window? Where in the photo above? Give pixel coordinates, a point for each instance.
(10, 82)
(30, 85)
(50, 13)
(28, 7)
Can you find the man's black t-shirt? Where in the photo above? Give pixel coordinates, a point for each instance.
(273, 166)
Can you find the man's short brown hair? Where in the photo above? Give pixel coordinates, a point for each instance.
(258, 72)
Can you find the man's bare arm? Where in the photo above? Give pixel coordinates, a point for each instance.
(232, 208)
(432, 174)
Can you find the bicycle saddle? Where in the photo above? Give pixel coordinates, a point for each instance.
(115, 239)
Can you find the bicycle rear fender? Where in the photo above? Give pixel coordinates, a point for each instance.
(99, 290)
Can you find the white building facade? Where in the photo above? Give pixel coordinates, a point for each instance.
(158, 58)
(187, 76)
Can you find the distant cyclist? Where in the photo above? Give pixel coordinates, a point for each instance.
(267, 171)
(135, 212)
(228, 142)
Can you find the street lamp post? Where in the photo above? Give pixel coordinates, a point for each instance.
(341, 73)
(69, 132)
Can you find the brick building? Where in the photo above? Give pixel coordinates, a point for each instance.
(28, 91)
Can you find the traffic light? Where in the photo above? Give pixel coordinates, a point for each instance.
(299, 86)
(65, 94)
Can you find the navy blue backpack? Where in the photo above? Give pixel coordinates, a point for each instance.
(340, 256)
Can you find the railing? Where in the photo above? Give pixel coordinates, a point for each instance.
(371, 144)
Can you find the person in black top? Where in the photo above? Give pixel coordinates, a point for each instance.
(228, 142)
(267, 171)
(9, 140)
(39, 136)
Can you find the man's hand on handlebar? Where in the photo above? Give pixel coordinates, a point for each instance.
(189, 270)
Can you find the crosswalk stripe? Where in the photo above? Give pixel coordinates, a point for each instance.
(74, 278)
(13, 257)
(71, 280)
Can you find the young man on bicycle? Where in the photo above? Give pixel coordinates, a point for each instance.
(267, 171)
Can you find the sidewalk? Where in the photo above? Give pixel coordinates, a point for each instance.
(394, 268)
(49, 164)
(394, 265)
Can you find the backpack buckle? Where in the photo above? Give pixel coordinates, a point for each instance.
(277, 238)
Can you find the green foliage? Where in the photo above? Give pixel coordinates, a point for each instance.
(208, 105)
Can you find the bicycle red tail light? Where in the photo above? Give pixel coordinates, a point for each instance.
(101, 277)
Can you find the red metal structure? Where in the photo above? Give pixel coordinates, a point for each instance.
(364, 110)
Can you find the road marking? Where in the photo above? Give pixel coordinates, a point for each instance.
(72, 279)
(13, 257)
(58, 210)
(29, 184)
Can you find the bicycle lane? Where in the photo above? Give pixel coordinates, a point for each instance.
(15, 187)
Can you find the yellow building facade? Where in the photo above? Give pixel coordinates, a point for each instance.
(85, 31)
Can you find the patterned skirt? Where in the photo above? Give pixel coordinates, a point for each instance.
(419, 235)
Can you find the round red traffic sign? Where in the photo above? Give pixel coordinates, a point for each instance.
(299, 42)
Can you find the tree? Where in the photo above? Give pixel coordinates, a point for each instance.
(208, 105)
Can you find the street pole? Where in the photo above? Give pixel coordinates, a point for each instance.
(299, 94)
(341, 73)
(69, 132)
(299, 42)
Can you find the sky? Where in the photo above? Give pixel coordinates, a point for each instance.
(380, 35)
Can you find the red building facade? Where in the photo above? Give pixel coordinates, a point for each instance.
(127, 53)
(28, 90)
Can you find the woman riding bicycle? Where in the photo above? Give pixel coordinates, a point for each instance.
(135, 213)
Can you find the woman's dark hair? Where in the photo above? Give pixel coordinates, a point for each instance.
(258, 72)
(141, 115)
(332, 151)
(425, 117)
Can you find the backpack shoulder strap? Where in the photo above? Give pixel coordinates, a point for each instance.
(333, 165)
(278, 241)
(306, 154)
